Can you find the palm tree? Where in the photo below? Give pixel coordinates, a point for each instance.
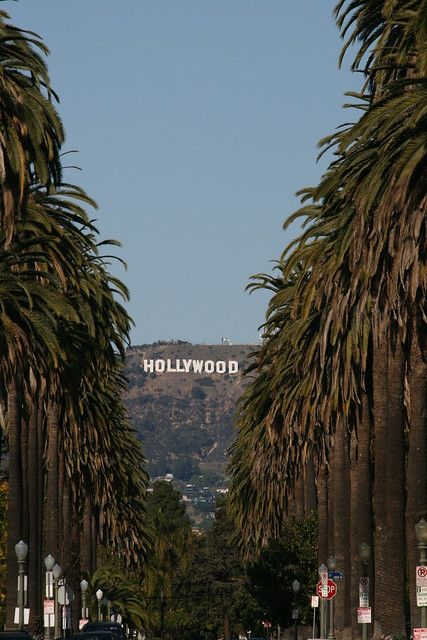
(31, 132)
(362, 277)
(62, 335)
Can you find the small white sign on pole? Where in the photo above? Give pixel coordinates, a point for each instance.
(420, 634)
(49, 620)
(49, 607)
(49, 584)
(26, 615)
(421, 576)
(314, 601)
(421, 596)
(421, 586)
(364, 615)
(364, 592)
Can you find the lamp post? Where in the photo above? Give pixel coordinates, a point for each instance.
(99, 595)
(365, 556)
(56, 571)
(21, 550)
(49, 563)
(109, 610)
(421, 534)
(83, 588)
(332, 563)
(323, 571)
(295, 587)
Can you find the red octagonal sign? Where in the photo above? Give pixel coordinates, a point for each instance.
(332, 589)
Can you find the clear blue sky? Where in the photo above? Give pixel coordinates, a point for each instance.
(196, 122)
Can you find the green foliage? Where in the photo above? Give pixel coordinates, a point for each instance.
(213, 592)
(184, 468)
(292, 556)
(123, 591)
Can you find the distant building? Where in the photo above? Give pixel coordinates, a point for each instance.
(225, 342)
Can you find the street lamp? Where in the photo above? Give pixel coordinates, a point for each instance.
(332, 563)
(364, 553)
(421, 534)
(295, 588)
(21, 550)
(365, 556)
(83, 588)
(99, 595)
(49, 563)
(56, 571)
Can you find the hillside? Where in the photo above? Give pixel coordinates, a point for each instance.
(182, 401)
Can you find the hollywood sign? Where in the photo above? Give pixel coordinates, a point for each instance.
(190, 366)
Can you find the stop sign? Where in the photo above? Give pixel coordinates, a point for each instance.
(332, 589)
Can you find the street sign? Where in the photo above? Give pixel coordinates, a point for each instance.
(363, 592)
(336, 575)
(48, 607)
(331, 589)
(421, 575)
(266, 624)
(364, 615)
(314, 601)
(421, 596)
(421, 586)
(420, 634)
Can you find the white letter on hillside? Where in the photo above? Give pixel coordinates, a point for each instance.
(233, 366)
(160, 366)
(197, 366)
(209, 366)
(187, 365)
(148, 366)
(169, 367)
(178, 366)
(220, 366)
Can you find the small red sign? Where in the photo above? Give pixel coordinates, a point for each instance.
(364, 615)
(48, 607)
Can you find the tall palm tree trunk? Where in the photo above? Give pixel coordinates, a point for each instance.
(416, 474)
(87, 562)
(361, 504)
(322, 511)
(388, 488)
(51, 504)
(309, 488)
(341, 519)
(299, 496)
(34, 564)
(15, 501)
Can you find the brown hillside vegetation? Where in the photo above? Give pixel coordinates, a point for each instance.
(185, 420)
